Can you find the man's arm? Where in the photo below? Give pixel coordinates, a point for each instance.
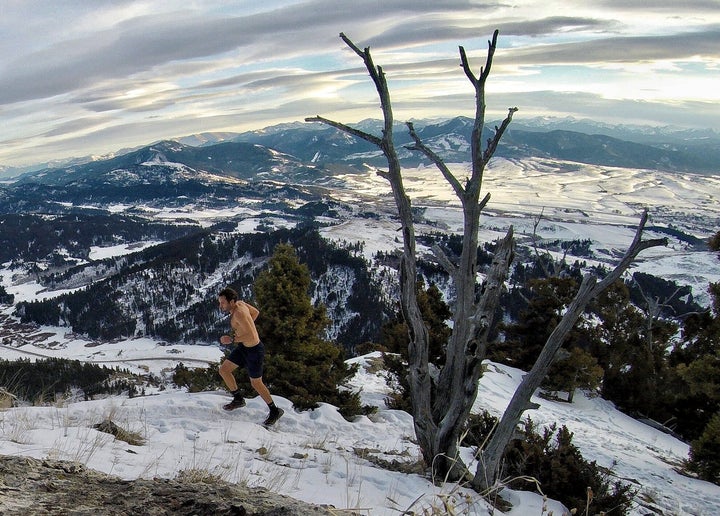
(254, 312)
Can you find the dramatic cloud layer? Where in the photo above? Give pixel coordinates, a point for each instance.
(76, 79)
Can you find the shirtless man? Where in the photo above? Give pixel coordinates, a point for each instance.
(249, 352)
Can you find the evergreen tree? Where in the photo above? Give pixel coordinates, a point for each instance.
(300, 365)
(579, 370)
(714, 242)
(524, 339)
(696, 361)
(575, 367)
(435, 313)
(5, 298)
(632, 350)
(705, 452)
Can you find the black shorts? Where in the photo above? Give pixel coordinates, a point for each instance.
(251, 358)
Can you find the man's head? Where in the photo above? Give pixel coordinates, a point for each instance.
(227, 299)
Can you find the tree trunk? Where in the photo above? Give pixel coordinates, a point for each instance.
(418, 370)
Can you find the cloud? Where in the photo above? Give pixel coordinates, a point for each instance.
(164, 68)
(703, 43)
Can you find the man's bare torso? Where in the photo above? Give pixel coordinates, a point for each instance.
(242, 322)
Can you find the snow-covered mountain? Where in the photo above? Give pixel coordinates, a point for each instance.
(581, 141)
(666, 148)
(652, 135)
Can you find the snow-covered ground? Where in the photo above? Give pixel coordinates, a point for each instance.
(318, 456)
(555, 200)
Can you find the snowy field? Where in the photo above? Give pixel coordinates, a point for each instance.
(555, 200)
(319, 457)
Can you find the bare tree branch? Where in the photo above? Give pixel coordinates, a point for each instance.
(437, 160)
(495, 140)
(466, 66)
(441, 257)
(637, 245)
(536, 223)
(346, 128)
(494, 282)
(589, 289)
(484, 202)
(492, 45)
(480, 157)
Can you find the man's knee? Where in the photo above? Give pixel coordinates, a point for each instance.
(256, 382)
(226, 367)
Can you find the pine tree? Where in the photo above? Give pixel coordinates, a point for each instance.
(525, 338)
(714, 242)
(300, 364)
(632, 354)
(695, 360)
(705, 452)
(579, 370)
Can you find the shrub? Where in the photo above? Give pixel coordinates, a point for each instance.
(119, 433)
(562, 472)
(705, 452)
(197, 380)
(478, 429)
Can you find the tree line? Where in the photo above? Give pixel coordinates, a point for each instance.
(43, 381)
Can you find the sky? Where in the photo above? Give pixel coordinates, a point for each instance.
(80, 78)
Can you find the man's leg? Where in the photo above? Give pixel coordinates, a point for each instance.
(254, 357)
(226, 372)
(262, 390)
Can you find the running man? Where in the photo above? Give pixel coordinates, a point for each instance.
(249, 352)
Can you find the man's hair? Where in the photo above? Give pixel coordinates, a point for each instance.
(228, 294)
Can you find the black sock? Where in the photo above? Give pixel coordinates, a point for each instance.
(272, 406)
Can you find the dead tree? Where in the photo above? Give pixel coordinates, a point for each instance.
(440, 408)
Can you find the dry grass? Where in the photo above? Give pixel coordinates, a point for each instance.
(119, 433)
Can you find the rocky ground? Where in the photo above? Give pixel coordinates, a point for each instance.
(51, 487)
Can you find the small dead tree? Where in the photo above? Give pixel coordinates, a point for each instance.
(440, 407)
(488, 469)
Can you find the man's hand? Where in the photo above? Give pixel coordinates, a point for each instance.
(226, 340)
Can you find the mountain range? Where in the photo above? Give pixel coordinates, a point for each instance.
(584, 141)
(682, 151)
(233, 193)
